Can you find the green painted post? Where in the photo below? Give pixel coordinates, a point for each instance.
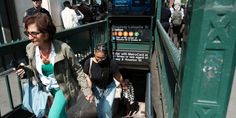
(208, 60)
(158, 3)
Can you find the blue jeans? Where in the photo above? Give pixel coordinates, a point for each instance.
(104, 99)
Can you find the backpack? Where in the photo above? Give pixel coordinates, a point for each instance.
(177, 18)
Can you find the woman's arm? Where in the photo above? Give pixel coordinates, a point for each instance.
(118, 77)
(78, 72)
(81, 16)
(116, 73)
(88, 81)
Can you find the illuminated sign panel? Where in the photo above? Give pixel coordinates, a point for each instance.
(130, 38)
(132, 56)
(131, 29)
(132, 7)
(133, 33)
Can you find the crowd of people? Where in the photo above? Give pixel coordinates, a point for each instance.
(53, 67)
(172, 20)
(72, 15)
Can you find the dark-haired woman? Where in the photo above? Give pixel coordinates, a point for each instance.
(53, 64)
(102, 71)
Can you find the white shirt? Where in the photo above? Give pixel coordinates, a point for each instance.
(49, 81)
(70, 18)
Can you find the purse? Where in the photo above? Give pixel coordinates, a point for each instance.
(82, 108)
(34, 99)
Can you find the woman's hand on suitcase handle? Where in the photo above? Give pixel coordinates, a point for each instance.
(89, 98)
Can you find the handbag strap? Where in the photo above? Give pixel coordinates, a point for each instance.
(90, 65)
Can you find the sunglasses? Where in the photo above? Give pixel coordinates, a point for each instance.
(33, 34)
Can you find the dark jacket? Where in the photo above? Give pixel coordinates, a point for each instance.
(88, 14)
(32, 11)
(165, 16)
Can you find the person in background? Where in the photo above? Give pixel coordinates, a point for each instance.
(165, 16)
(127, 98)
(102, 71)
(53, 64)
(37, 7)
(99, 8)
(69, 17)
(183, 11)
(88, 14)
(176, 21)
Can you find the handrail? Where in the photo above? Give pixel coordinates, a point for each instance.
(4, 48)
(168, 60)
(174, 52)
(80, 28)
(148, 103)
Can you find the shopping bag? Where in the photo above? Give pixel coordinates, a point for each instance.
(82, 108)
(34, 99)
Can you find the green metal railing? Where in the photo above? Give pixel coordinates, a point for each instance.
(82, 39)
(168, 58)
(197, 82)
